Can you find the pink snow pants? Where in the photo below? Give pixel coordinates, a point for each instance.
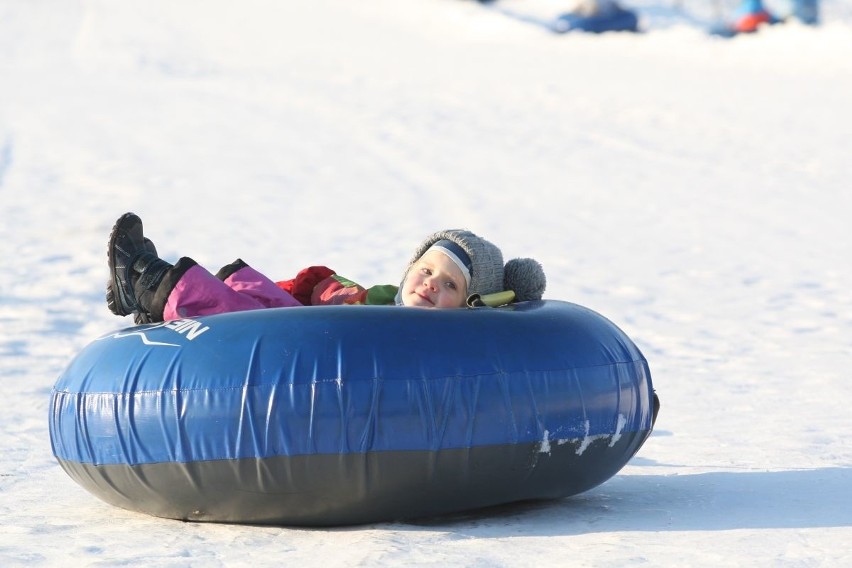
(199, 293)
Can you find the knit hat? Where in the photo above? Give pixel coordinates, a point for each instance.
(481, 262)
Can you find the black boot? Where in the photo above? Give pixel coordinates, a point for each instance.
(135, 271)
(149, 271)
(138, 317)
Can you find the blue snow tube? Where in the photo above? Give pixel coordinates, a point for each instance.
(351, 414)
(612, 18)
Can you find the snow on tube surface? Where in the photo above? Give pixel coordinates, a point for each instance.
(351, 414)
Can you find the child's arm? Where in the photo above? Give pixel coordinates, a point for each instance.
(319, 285)
(302, 286)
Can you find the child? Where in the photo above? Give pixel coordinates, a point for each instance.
(447, 268)
(752, 14)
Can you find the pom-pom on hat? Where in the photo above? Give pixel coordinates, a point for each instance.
(525, 277)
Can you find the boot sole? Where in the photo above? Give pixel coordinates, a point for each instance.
(114, 296)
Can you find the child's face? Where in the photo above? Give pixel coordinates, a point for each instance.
(434, 282)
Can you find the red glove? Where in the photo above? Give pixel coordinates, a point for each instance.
(302, 286)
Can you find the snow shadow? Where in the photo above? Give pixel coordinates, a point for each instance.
(796, 499)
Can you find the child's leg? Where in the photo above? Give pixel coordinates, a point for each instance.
(242, 278)
(193, 291)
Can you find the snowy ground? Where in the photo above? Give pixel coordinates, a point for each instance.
(693, 190)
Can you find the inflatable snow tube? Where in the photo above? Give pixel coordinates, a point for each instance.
(351, 414)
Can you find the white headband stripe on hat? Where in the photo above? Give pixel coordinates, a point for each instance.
(457, 254)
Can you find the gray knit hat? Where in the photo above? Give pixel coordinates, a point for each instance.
(485, 266)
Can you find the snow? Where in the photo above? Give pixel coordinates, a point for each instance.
(691, 189)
